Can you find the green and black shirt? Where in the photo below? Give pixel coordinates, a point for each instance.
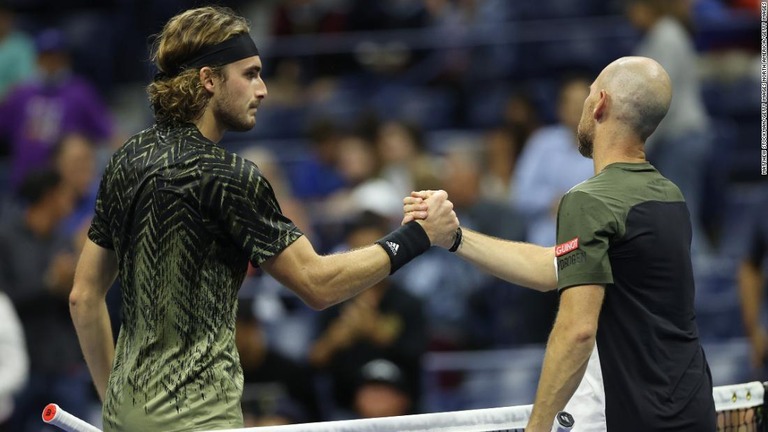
(184, 217)
(628, 228)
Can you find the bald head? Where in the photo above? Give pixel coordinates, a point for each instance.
(641, 92)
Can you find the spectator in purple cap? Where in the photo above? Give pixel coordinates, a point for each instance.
(37, 114)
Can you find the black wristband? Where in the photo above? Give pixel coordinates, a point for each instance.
(456, 241)
(404, 244)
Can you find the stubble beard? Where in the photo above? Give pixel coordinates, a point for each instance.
(227, 115)
(586, 141)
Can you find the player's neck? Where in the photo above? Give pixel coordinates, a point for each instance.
(209, 127)
(617, 147)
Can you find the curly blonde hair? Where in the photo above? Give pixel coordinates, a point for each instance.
(181, 98)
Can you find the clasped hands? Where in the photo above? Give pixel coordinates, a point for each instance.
(434, 212)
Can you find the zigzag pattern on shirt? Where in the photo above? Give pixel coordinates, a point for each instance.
(184, 217)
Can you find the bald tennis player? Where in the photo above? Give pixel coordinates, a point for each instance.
(624, 353)
(177, 220)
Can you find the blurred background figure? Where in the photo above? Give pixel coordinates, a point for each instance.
(753, 280)
(36, 271)
(497, 314)
(36, 115)
(17, 51)
(74, 158)
(383, 391)
(684, 134)
(442, 281)
(502, 150)
(463, 168)
(520, 116)
(550, 164)
(384, 322)
(277, 390)
(14, 361)
(360, 164)
(316, 175)
(406, 164)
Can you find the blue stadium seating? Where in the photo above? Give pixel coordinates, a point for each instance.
(431, 108)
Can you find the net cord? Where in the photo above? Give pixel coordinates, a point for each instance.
(479, 420)
(727, 398)
(738, 396)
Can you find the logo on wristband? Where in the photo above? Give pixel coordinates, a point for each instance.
(393, 247)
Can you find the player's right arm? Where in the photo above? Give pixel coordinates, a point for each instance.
(96, 272)
(238, 202)
(324, 280)
(524, 264)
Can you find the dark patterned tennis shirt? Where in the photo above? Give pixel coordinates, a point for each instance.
(184, 217)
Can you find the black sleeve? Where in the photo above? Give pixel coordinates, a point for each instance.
(99, 232)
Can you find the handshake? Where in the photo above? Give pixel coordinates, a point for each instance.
(434, 212)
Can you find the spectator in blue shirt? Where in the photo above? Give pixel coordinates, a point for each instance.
(550, 165)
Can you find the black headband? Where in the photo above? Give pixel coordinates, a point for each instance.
(231, 50)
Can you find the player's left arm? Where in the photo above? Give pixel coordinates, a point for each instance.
(568, 350)
(96, 272)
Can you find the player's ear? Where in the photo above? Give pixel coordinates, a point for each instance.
(601, 106)
(206, 78)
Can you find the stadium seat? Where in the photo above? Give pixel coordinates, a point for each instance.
(431, 108)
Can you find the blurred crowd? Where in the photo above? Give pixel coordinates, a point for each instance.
(369, 100)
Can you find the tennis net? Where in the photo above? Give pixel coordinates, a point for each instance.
(505, 419)
(740, 408)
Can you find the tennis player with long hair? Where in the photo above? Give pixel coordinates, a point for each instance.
(177, 220)
(624, 353)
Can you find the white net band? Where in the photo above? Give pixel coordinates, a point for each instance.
(737, 407)
(738, 396)
(480, 420)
